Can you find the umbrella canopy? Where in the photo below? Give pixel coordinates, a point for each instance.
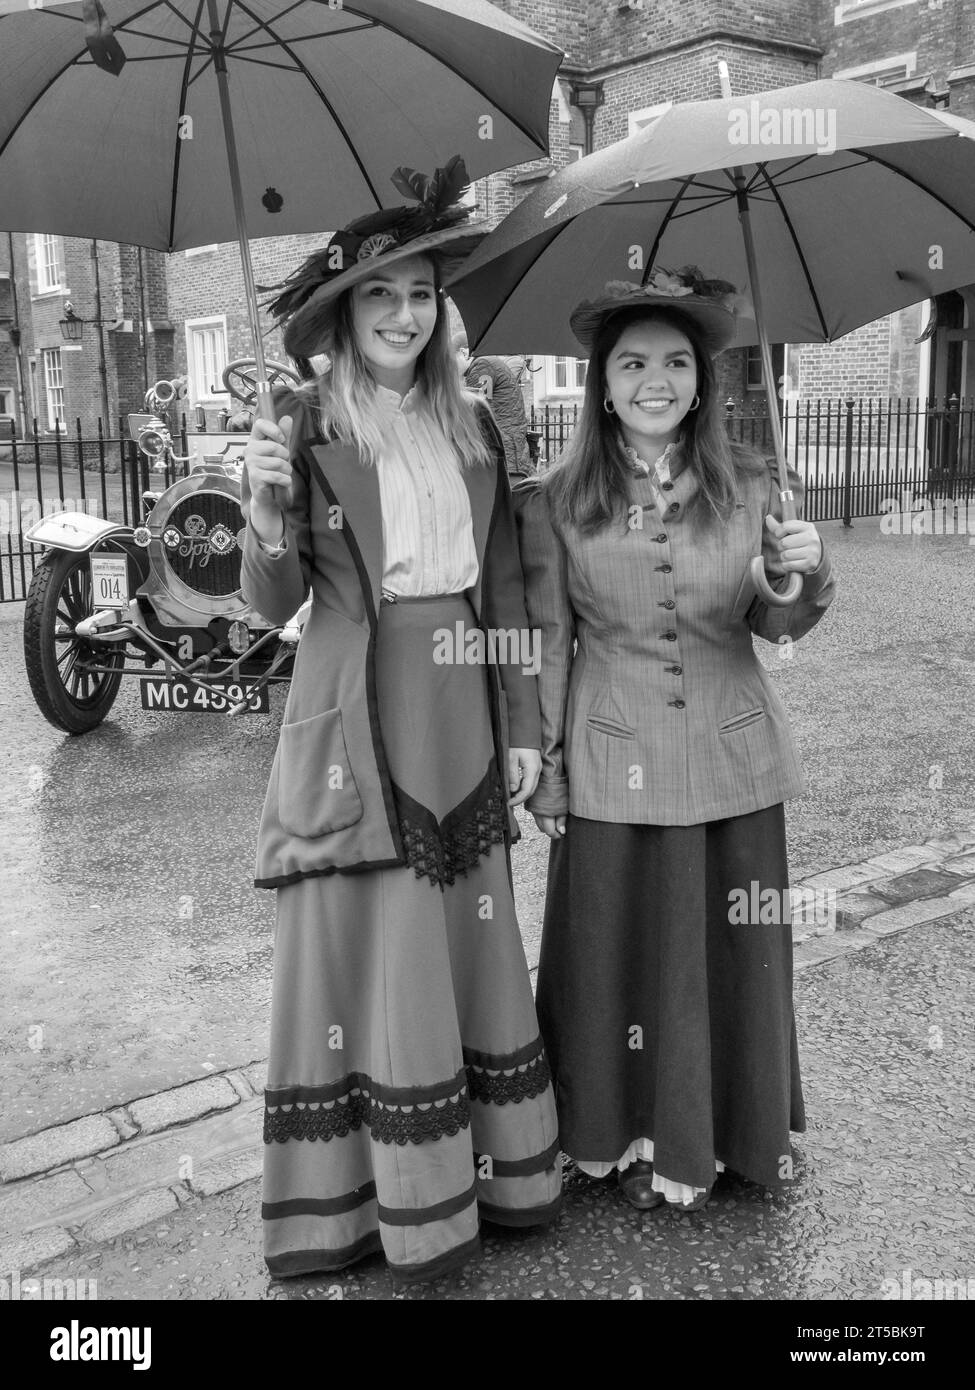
(327, 98)
(859, 203)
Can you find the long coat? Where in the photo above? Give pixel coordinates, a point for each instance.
(329, 805)
(662, 714)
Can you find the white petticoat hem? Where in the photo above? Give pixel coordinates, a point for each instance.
(680, 1193)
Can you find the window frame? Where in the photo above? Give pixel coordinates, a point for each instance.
(193, 326)
(41, 242)
(847, 10)
(53, 389)
(551, 387)
(870, 72)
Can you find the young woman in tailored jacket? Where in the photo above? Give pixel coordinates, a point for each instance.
(666, 757)
(408, 1092)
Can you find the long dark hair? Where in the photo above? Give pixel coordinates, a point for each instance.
(589, 484)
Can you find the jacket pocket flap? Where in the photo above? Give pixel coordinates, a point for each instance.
(317, 793)
(609, 726)
(741, 721)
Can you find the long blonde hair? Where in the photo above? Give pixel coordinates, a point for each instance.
(345, 393)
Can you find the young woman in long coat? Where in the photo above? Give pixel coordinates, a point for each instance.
(667, 757)
(408, 1092)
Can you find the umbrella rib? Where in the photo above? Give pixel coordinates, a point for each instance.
(239, 57)
(917, 184)
(799, 251)
(237, 47)
(339, 125)
(184, 88)
(668, 217)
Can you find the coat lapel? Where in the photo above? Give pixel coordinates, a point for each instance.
(356, 490)
(481, 487)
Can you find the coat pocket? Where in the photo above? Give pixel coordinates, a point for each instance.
(741, 721)
(609, 726)
(317, 793)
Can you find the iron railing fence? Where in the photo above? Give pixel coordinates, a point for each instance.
(856, 458)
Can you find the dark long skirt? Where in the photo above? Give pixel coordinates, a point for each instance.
(664, 1017)
(408, 1091)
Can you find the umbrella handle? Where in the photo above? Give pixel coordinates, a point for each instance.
(779, 599)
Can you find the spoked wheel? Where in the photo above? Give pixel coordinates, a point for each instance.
(67, 694)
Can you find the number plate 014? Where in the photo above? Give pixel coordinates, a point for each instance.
(218, 697)
(109, 581)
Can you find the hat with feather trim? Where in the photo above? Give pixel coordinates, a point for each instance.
(713, 304)
(436, 224)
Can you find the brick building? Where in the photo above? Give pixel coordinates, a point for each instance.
(624, 60)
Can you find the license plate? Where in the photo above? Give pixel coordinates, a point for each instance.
(218, 697)
(109, 581)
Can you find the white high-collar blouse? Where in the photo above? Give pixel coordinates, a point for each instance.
(428, 533)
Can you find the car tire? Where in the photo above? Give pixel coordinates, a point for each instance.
(60, 596)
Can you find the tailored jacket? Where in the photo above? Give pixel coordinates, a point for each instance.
(329, 805)
(655, 707)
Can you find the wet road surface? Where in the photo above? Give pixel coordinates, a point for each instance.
(884, 1179)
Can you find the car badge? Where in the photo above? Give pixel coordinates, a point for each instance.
(221, 540)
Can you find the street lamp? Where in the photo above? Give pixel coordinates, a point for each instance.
(71, 326)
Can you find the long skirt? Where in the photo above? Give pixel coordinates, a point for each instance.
(665, 997)
(408, 1090)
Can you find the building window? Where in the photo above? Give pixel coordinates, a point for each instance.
(206, 357)
(53, 387)
(50, 270)
(754, 377)
(636, 120)
(567, 374)
(6, 401)
(863, 9)
(883, 72)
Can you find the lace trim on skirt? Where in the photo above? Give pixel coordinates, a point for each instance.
(404, 1115)
(444, 850)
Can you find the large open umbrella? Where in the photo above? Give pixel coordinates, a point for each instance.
(830, 203)
(173, 123)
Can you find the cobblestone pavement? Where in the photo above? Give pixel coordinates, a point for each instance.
(159, 1198)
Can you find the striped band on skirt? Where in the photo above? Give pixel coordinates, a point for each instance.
(408, 1091)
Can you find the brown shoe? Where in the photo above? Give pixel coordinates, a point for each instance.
(636, 1184)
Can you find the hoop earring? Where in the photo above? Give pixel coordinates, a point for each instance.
(696, 402)
(608, 406)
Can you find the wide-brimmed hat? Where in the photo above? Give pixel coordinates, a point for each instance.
(712, 304)
(436, 223)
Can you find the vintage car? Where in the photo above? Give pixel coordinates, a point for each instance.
(160, 601)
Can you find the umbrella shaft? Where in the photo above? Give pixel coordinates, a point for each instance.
(744, 218)
(264, 408)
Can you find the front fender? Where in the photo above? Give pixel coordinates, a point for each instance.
(75, 531)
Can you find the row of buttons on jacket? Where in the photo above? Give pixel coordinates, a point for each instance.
(669, 636)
